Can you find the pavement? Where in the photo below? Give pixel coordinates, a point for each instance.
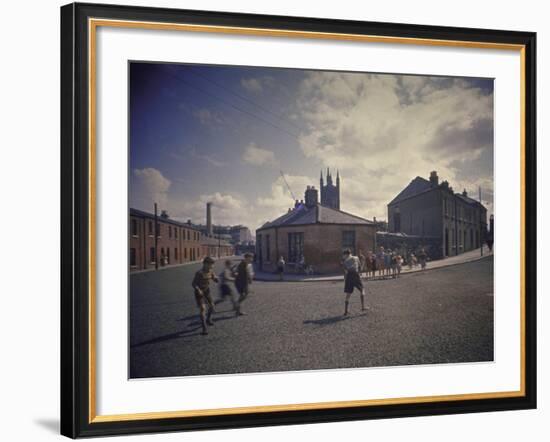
(435, 317)
(470, 256)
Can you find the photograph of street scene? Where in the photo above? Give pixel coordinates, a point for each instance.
(288, 219)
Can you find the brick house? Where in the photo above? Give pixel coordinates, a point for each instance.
(314, 232)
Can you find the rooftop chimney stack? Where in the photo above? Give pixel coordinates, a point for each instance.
(311, 196)
(209, 230)
(464, 193)
(434, 179)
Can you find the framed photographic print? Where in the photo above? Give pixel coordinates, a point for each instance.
(274, 220)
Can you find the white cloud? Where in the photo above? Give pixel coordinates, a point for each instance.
(258, 156)
(227, 208)
(149, 186)
(383, 130)
(280, 200)
(208, 117)
(257, 85)
(192, 152)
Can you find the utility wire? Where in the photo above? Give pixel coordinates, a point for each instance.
(296, 137)
(248, 100)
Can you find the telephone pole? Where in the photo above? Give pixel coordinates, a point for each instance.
(156, 239)
(480, 225)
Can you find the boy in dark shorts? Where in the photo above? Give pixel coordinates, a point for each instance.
(227, 277)
(201, 285)
(352, 279)
(245, 275)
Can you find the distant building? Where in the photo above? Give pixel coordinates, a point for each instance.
(177, 242)
(330, 193)
(236, 235)
(430, 212)
(314, 233)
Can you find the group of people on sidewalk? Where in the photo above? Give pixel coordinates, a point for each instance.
(388, 263)
(240, 276)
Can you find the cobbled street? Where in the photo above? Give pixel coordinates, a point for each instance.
(438, 316)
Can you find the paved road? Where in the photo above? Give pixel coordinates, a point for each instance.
(441, 316)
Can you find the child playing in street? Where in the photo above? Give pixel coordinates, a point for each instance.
(201, 285)
(352, 279)
(226, 278)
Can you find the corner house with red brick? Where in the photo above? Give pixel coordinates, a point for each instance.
(314, 232)
(177, 243)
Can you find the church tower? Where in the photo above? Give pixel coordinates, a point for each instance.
(330, 193)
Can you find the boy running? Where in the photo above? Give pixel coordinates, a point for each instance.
(352, 280)
(201, 285)
(226, 278)
(245, 275)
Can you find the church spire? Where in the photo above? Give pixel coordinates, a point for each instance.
(321, 180)
(337, 178)
(329, 178)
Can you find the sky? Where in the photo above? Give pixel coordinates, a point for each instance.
(224, 134)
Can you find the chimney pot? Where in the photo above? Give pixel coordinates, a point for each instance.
(434, 179)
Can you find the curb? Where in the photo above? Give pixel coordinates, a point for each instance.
(341, 277)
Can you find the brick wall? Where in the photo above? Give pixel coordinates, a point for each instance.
(177, 243)
(322, 245)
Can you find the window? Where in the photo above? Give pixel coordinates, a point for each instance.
(132, 257)
(176, 253)
(259, 248)
(168, 255)
(397, 221)
(185, 253)
(134, 228)
(348, 240)
(158, 229)
(152, 255)
(176, 232)
(267, 248)
(188, 236)
(150, 228)
(169, 231)
(295, 246)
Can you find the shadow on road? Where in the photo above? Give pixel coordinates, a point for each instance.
(184, 333)
(331, 320)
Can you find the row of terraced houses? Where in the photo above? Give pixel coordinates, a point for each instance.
(176, 242)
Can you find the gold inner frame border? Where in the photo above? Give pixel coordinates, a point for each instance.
(93, 24)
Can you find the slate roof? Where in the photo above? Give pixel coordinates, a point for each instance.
(303, 215)
(469, 200)
(416, 186)
(420, 185)
(142, 214)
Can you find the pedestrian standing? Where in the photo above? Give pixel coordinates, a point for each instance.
(399, 264)
(281, 268)
(387, 262)
(422, 258)
(352, 279)
(245, 275)
(369, 263)
(412, 261)
(393, 256)
(380, 262)
(201, 285)
(362, 261)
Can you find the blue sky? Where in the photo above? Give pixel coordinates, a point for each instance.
(223, 134)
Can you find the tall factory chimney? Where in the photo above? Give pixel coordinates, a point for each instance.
(209, 230)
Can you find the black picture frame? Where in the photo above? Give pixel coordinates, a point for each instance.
(76, 416)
